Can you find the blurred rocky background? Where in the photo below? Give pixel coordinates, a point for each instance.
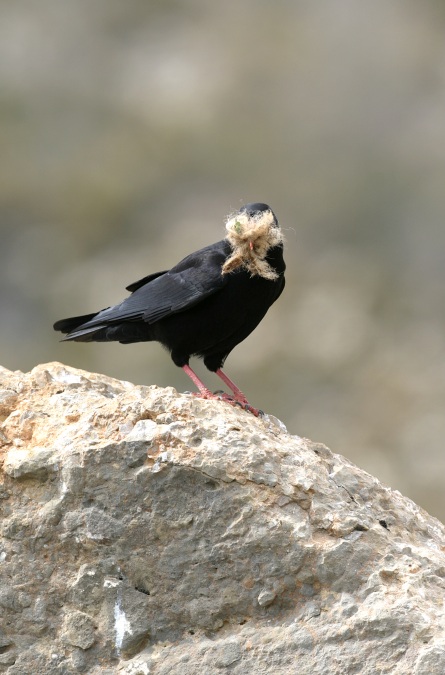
(130, 130)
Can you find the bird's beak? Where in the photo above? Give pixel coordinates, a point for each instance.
(251, 245)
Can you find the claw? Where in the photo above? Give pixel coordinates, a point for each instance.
(238, 399)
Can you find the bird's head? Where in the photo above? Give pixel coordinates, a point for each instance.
(252, 232)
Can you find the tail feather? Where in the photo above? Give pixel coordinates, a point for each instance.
(76, 329)
(96, 334)
(73, 322)
(73, 328)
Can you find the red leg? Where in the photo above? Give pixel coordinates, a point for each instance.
(239, 396)
(206, 393)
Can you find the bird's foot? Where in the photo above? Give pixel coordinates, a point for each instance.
(238, 397)
(206, 395)
(223, 396)
(238, 401)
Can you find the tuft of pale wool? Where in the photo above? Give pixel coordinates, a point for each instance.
(251, 237)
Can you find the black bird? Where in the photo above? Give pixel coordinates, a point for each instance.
(205, 305)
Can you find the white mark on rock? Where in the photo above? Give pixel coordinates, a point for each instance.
(137, 669)
(121, 624)
(221, 427)
(67, 378)
(111, 583)
(266, 597)
(156, 467)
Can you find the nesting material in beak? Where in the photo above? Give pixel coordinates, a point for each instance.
(251, 238)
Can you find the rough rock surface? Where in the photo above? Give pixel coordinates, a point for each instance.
(145, 531)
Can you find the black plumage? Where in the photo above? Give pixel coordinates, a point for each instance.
(205, 305)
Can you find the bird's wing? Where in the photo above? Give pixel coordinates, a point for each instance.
(188, 283)
(141, 282)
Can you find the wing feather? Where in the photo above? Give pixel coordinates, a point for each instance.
(145, 280)
(196, 277)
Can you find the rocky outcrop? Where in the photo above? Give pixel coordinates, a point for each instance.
(145, 531)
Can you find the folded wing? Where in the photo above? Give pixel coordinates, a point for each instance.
(158, 295)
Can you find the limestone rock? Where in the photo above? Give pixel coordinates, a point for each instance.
(145, 531)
